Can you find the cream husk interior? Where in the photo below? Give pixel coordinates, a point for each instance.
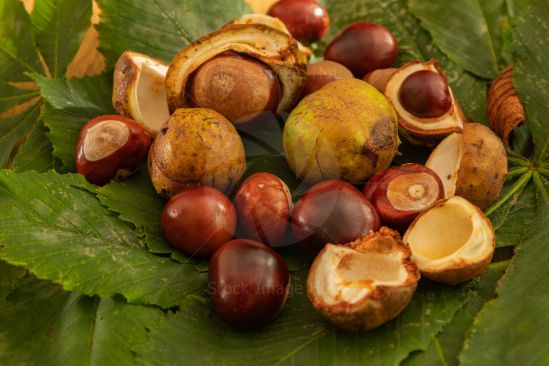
(148, 102)
(448, 120)
(450, 233)
(445, 160)
(269, 21)
(272, 22)
(348, 275)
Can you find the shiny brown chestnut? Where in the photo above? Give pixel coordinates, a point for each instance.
(322, 73)
(401, 193)
(333, 212)
(363, 47)
(264, 206)
(307, 20)
(225, 84)
(425, 94)
(198, 220)
(248, 282)
(111, 146)
(379, 78)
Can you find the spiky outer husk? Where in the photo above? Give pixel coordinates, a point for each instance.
(483, 167)
(346, 130)
(196, 147)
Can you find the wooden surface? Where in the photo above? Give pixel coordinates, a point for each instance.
(88, 61)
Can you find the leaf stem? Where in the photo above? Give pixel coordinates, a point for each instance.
(541, 186)
(513, 153)
(517, 171)
(518, 185)
(500, 266)
(518, 161)
(543, 171)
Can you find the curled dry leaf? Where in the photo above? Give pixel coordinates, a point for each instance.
(505, 110)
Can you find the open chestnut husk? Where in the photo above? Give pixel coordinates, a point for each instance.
(426, 107)
(277, 69)
(401, 193)
(307, 20)
(472, 164)
(198, 220)
(264, 206)
(248, 282)
(332, 212)
(109, 147)
(363, 284)
(452, 242)
(273, 22)
(138, 90)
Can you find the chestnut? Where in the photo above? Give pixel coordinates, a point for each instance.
(401, 193)
(264, 205)
(333, 212)
(307, 20)
(425, 94)
(322, 73)
(363, 47)
(198, 220)
(239, 87)
(111, 146)
(248, 282)
(379, 78)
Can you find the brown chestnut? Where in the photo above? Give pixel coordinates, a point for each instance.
(264, 206)
(111, 146)
(307, 20)
(379, 78)
(198, 220)
(333, 212)
(425, 94)
(363, 47)
(248, 282)
(239, 87)
(322, 73)
(401, 193)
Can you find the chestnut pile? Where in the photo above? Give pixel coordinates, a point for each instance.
(344, 118)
